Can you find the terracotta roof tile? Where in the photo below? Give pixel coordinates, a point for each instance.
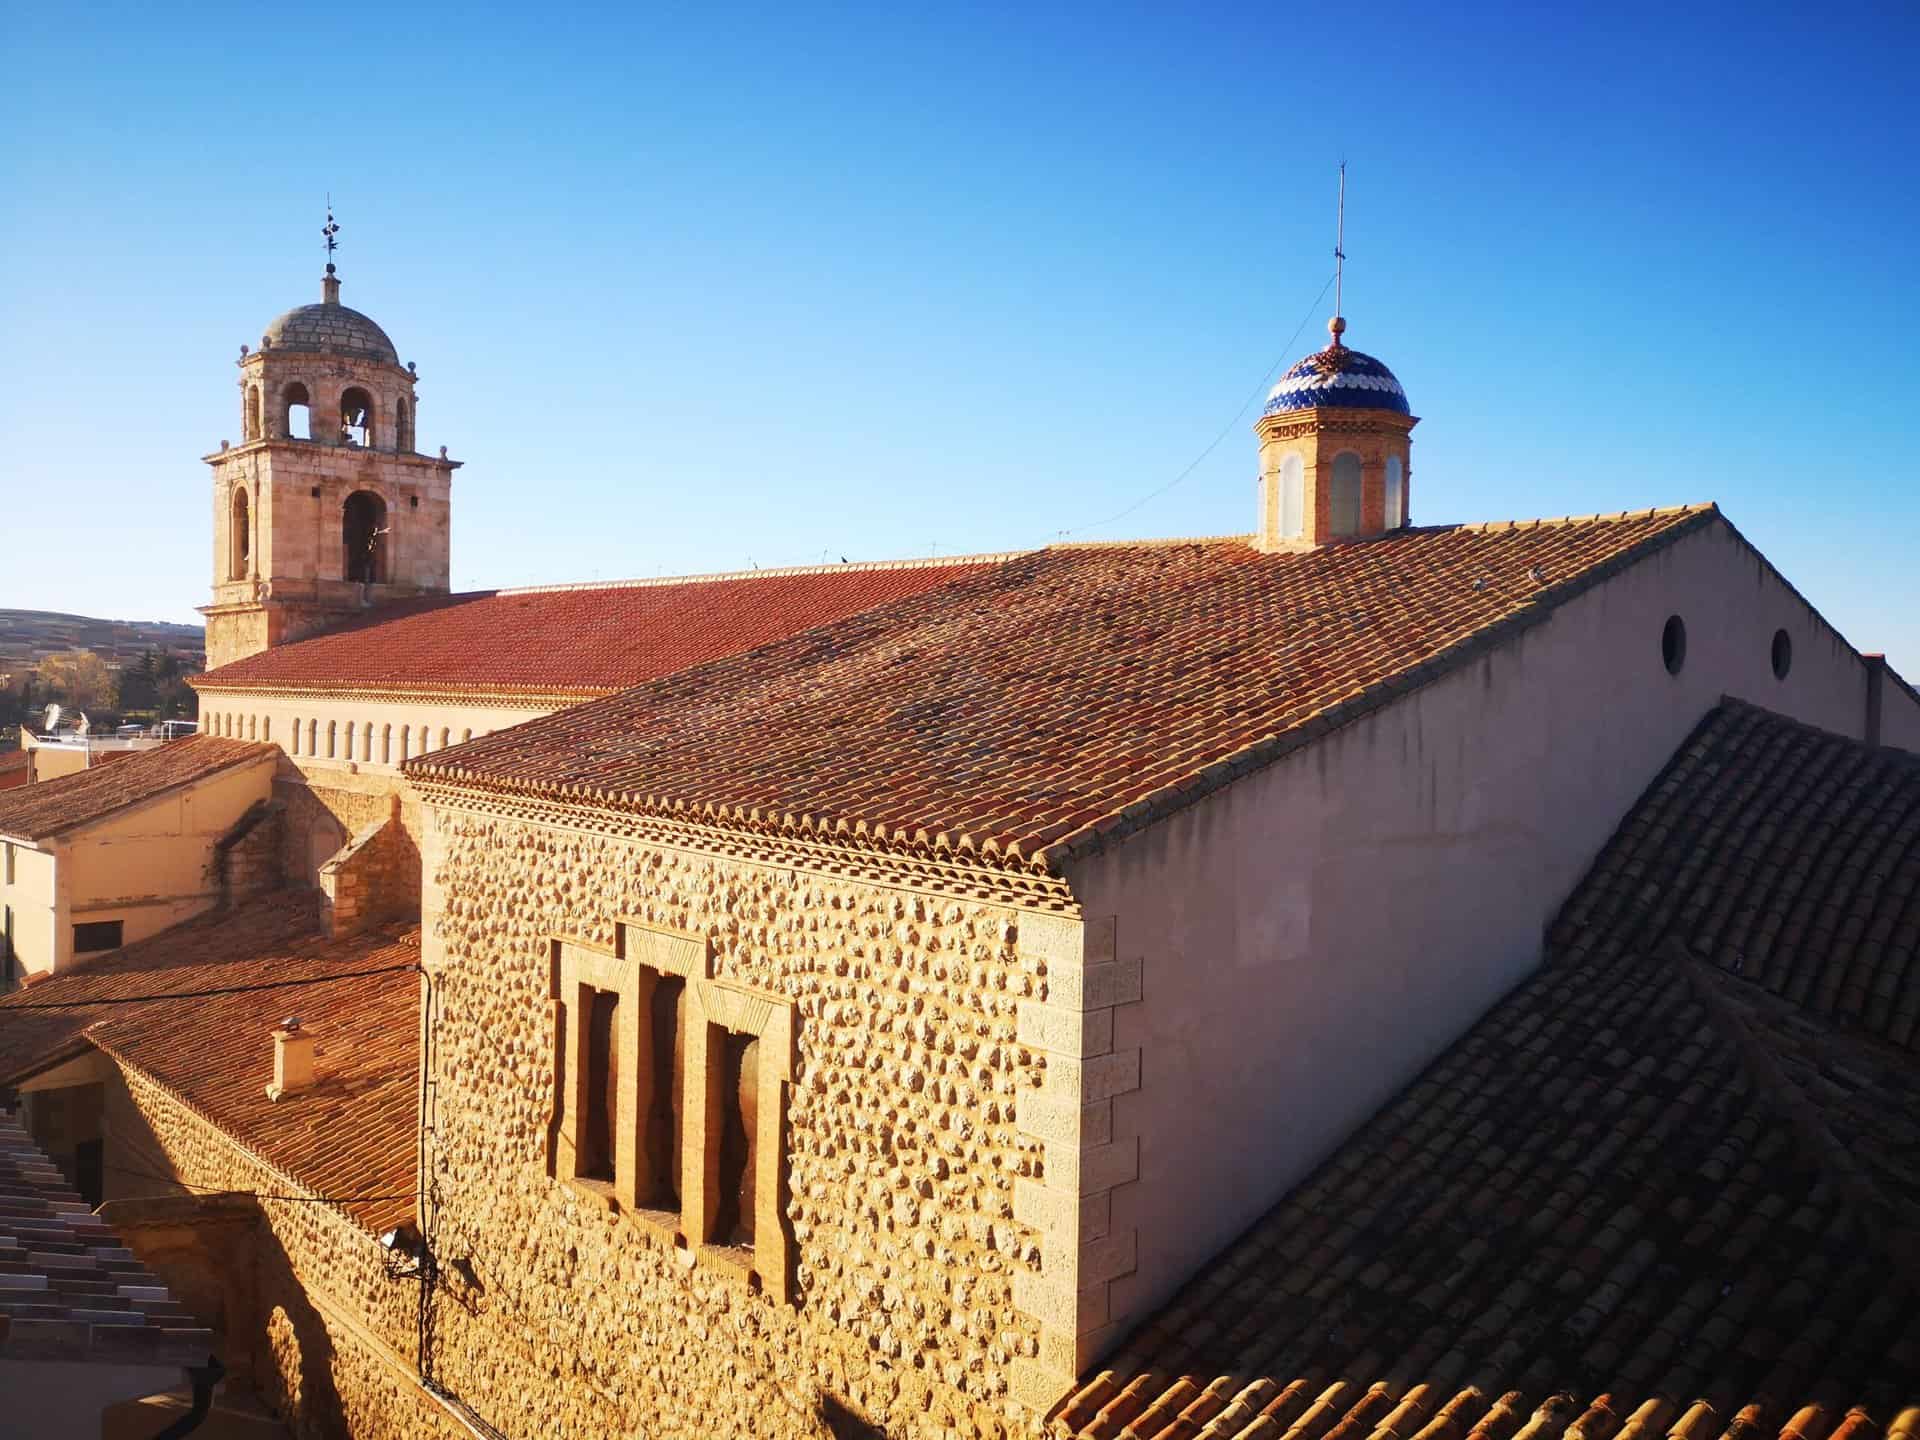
(578, 639)
(1641, 1192)
(68, 1289)
(1064, 697)
(52, 807)
(1781, 854)
(352, 1135)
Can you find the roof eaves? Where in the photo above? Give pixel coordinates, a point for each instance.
(263, 752)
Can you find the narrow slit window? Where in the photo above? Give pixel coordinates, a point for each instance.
(739, 1062)
(660, 1140)
(598, 1144)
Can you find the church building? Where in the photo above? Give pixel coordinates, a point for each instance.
(1350, 978)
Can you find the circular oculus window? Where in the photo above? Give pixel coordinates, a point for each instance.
(1673, 644)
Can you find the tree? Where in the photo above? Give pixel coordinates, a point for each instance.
(78, 679)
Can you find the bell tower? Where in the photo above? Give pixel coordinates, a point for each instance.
(1335, 450)
(325, 508)
(1335, 439)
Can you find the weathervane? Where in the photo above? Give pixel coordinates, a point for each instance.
(1339, 253)
(329, 230)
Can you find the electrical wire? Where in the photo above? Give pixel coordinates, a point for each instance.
(1225, 429)
(203, 994)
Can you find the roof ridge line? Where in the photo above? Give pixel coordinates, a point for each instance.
(1605, 516)
(931, 562)
(1245, 536)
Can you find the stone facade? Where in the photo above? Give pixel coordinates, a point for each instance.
(931, 1216)
(328, 1337)
(374, 878)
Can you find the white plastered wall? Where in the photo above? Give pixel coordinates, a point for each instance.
(1312, 935)
(423, 721)
(148, 866)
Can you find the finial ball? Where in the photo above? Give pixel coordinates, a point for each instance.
(1337, 327)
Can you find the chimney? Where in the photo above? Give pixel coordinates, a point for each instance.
(292, 1060)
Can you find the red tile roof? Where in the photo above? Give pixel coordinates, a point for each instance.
(53, 807)
(68, 1289)
(578, 640)
(1641, 1197)
(1041, 707)
(352, 1135)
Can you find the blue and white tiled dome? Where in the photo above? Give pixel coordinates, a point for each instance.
(1337, 376)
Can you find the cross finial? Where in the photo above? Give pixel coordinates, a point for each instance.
(1337, 326)
(328, 231)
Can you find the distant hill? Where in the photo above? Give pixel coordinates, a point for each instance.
(27, 635)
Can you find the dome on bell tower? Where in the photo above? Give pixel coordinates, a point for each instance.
(330, 328)
(1337, 376)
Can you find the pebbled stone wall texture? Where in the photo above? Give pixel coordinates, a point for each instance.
(565, 1318)
(330, 1339)
(325, 809)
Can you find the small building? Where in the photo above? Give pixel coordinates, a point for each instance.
(16, 768)
(112, 853)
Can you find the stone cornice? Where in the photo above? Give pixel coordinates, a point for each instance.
(537, 702)
(939, 872)
(1333, 420)
(316, 447)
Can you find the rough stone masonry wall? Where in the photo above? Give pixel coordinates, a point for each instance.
(327, 809)
(373, 879)
(336, 1337)
(903, 1145)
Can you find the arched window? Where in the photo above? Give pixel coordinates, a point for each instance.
(405, 733)
(1293, 498)
(403, 425)
(1343, 500)
(253, 727)
(241, 538)
(295, 420)
(250, 420)
(333, 738)
(363, 536)
(366, 742)
(386, 744)
(266, 728)
(356, 418)
(1396, 493)
(445, 737)
(425, 737)
(296, 735)
(465, 736)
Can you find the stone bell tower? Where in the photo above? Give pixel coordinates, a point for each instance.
(325, 508)
(1335, 443)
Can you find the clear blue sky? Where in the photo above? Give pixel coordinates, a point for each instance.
(694, 287)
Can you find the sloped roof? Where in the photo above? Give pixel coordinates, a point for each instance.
(1041, 707)
(53, 807)
(578, 640)
(351, 1136)
(1642, 1196)
(68, 1289)
(1779, 854)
